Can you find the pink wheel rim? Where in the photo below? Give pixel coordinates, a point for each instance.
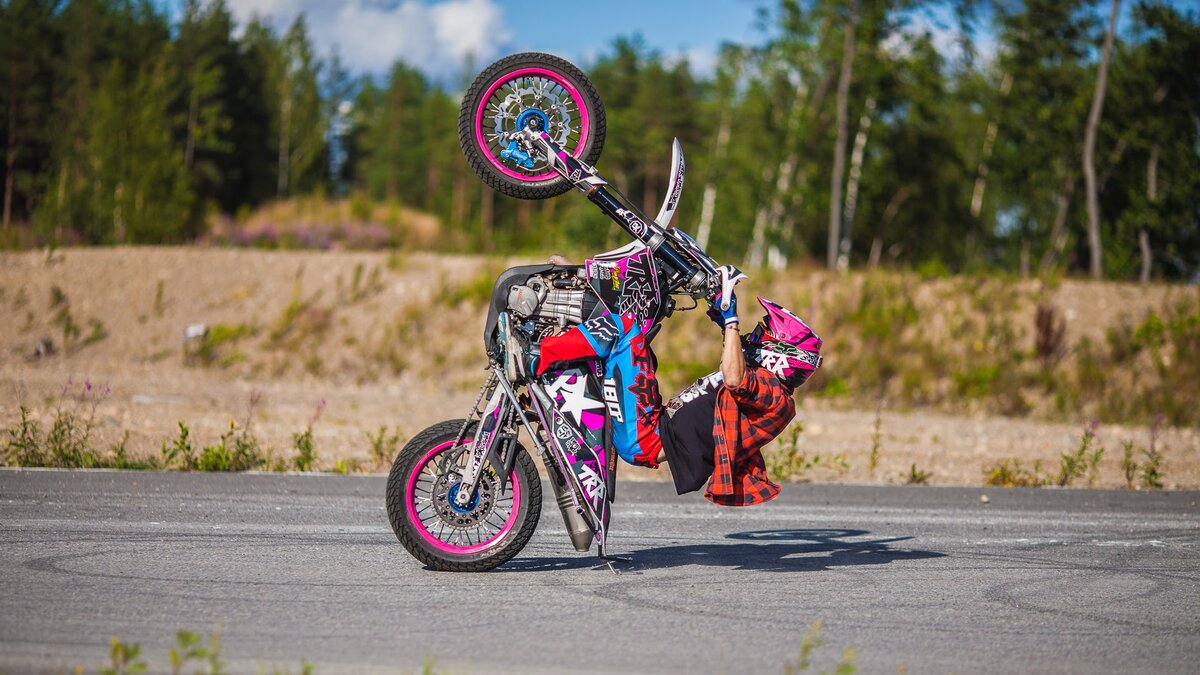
(432, 539)
(509, 77)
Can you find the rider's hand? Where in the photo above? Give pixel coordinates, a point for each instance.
(723, 317)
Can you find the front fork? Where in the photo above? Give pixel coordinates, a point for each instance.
(488, 435)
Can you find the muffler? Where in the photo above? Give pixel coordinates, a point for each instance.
(577, 527)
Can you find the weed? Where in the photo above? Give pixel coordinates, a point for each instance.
(1129, 465)
(24, 446)
(160, 305)
(812, 641)
(97, 332)
(1050, 337)
(179, 454)
(876, 442)
(347, 466)
(1083, 461)
(236, 450)
(124, 659)
(213, 341)
(786, 462)
(1010, 473)
(383, 446)
(1151, 474)
(916, 476)
(306, 454)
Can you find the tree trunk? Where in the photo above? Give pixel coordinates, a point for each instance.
(708, 205)
(1152, 199)
(989, 142)
(839, 150)
(758, 236)
(1058, 232)
(1089, 146)
(856, 162)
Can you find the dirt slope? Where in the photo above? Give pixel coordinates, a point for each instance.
(395, 340)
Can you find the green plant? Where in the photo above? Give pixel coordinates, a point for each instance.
(179, 454)
(1083, 460)
(812, 641)
(187, 648)
(916, 476)
(876, 442)
(236, 450)
(1129, 465)
(24, 446)
(306, 454)
(383, 446)
(1010, 473)
(1151, 474)
(785, 461)
(124, 659)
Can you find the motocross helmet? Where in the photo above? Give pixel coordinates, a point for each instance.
(784, 345)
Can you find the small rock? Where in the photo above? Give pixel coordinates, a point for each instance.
(984, 499)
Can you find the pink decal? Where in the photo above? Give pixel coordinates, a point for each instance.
(553, 77)
(446, 546)
(592, 420)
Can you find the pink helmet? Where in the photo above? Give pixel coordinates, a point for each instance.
(784, 345)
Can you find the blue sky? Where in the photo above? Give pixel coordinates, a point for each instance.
(437, 35)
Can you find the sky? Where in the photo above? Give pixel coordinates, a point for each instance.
(436, 36)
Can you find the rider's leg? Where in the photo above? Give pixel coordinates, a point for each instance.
(631, 382)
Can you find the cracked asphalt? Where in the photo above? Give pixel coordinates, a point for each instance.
(927, 579)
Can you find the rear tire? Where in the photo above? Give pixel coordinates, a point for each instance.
(476, 122)
(490, 531)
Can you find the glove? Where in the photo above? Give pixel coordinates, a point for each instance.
(723, 317)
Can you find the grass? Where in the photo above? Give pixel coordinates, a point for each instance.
(1010, 473)
(812, 641)
(786, 462)
(1083, 461)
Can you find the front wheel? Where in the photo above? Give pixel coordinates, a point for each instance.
(493, 527)
(529, 89)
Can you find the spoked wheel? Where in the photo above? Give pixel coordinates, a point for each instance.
(510, 94)
(494, 525)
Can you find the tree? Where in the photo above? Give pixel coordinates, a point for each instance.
(1089, 146)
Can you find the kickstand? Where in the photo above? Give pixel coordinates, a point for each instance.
(610, 559)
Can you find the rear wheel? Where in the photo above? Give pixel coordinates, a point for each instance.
(505, 97)
(494, 525)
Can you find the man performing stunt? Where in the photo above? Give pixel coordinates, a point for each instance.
(714, 430)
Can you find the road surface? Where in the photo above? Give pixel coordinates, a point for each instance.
(931, 580)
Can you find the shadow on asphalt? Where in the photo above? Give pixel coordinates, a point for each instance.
(763, 550)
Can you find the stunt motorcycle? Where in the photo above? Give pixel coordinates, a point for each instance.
(464, 495)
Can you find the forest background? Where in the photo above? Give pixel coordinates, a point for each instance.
(844, 124)
(957, 193)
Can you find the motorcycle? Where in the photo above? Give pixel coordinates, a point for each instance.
(465, 495)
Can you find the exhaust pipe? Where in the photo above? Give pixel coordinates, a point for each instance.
(577, 527)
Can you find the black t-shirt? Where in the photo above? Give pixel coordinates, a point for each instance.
(687, 433)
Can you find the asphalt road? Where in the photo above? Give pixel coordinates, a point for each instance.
(931, 580)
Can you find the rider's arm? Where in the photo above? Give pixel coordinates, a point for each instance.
(733, 363)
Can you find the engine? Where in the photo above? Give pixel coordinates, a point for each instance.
(553, 302)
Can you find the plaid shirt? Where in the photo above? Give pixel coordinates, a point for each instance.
(747, 417)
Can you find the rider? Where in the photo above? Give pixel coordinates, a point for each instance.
(715, 429)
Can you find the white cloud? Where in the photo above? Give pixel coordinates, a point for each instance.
(369, 35)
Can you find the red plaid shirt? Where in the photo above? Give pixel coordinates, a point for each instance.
(747, 417)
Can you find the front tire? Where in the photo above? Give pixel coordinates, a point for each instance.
(494, 526)
(531, 83)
